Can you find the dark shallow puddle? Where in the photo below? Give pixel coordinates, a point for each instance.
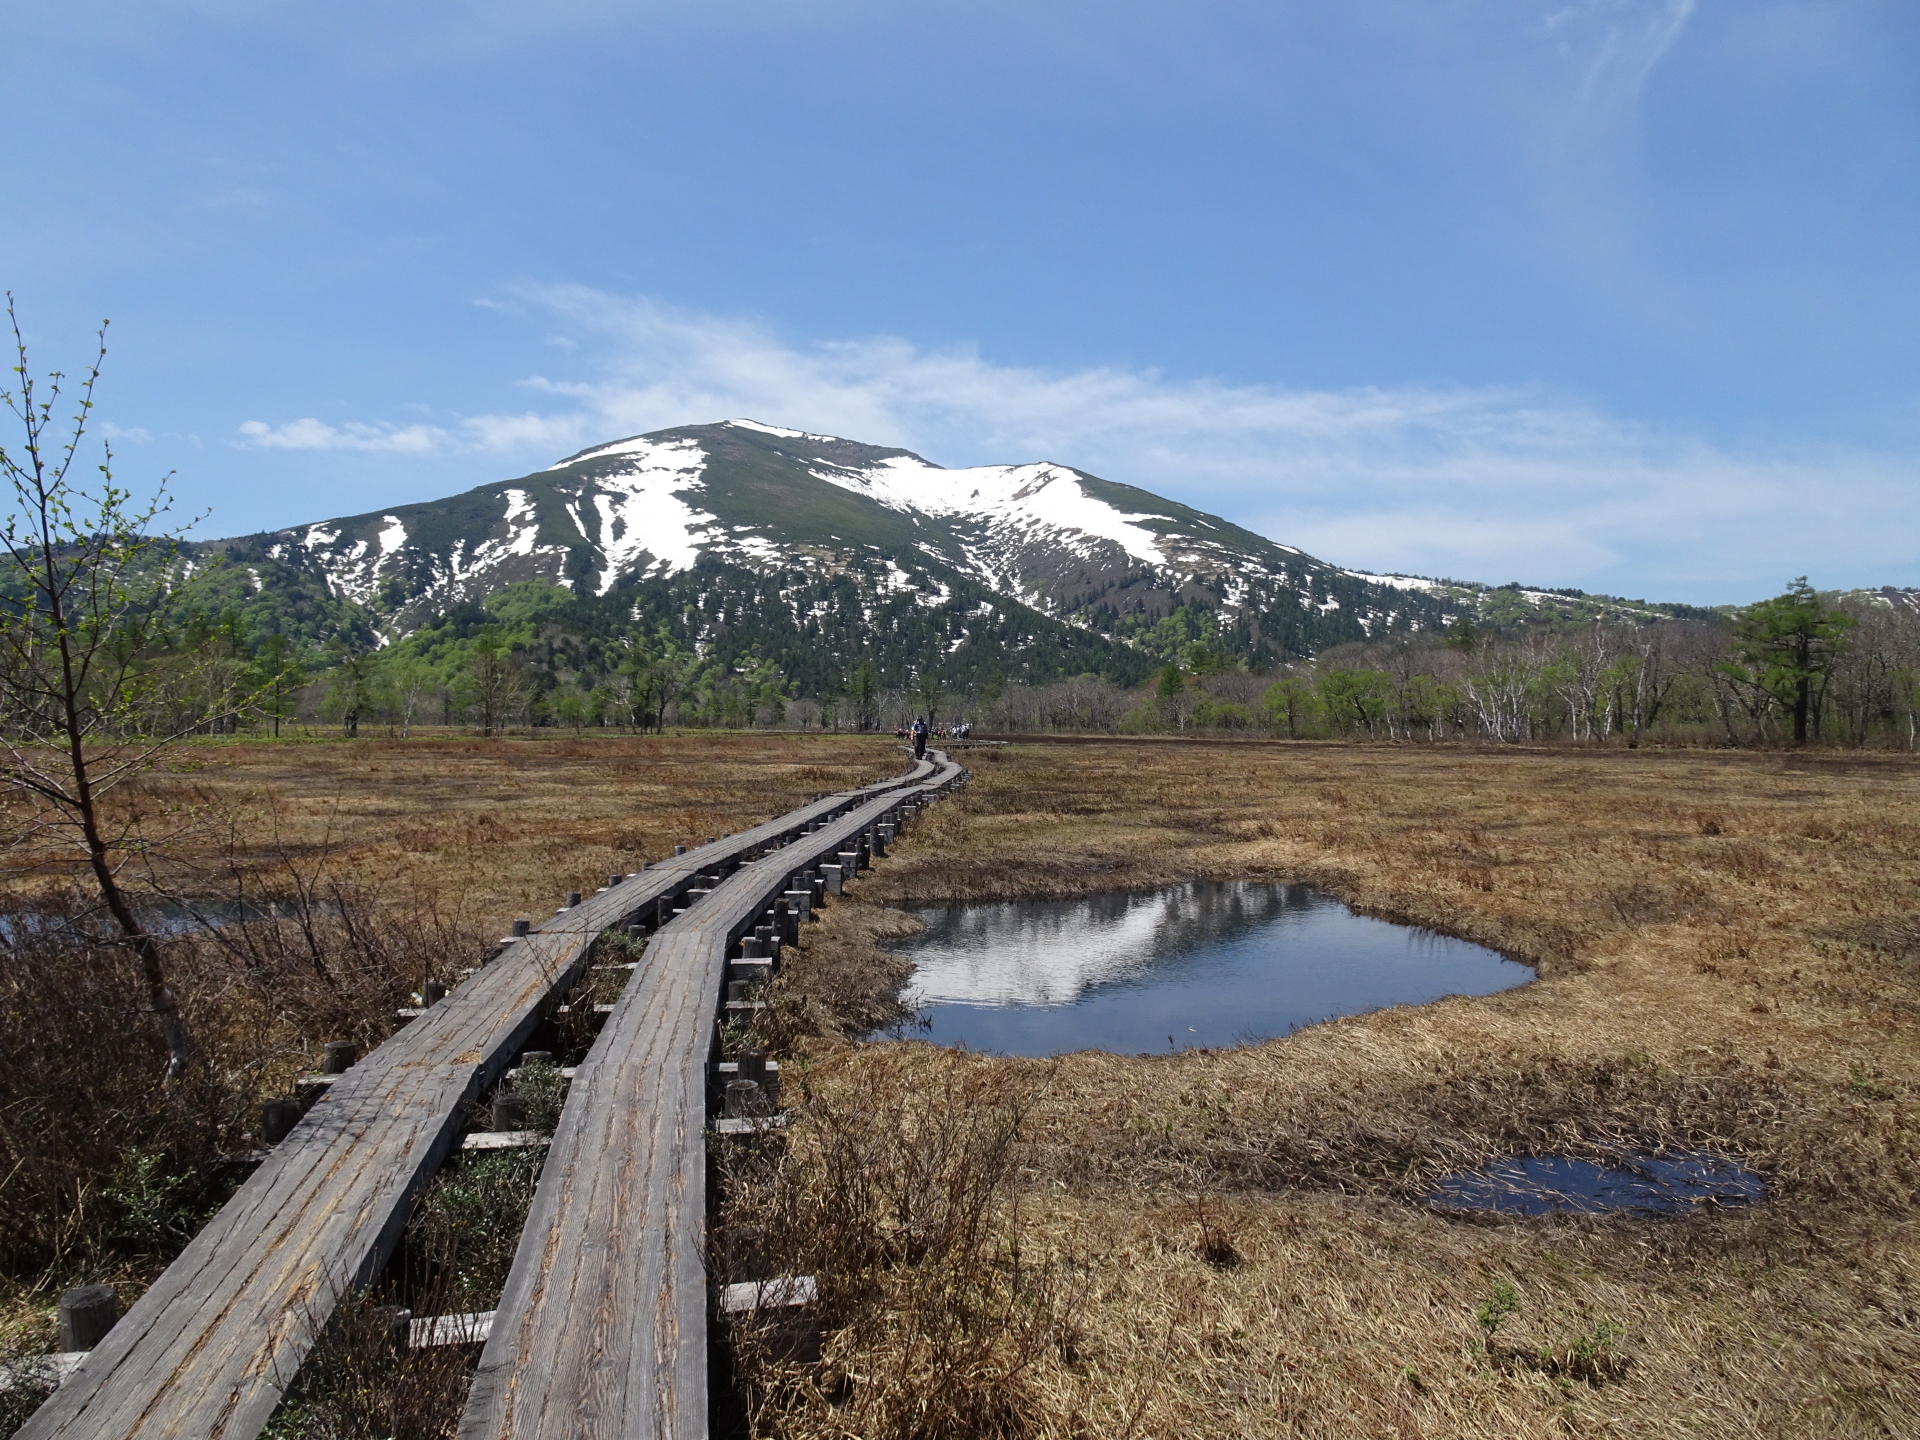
(1206, 964)
(1643, 1185)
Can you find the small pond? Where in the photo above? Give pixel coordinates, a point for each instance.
(1206, 964)
(1643, 1185)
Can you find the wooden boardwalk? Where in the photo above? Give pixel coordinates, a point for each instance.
(207, 1352)
(601, 1331)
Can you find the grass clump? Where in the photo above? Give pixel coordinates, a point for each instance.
(465, 1228)
(902, 1199)
(362, 1382)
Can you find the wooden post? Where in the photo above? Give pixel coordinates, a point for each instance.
(521, 928)
(509, 1111)
(433, 992)
(679, 849)
(86, 1314)
(832, 875)
(340, 1057)
(573, 899)
(277, 1119)
(743, 1099)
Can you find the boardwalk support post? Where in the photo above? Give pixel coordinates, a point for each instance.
(86, 1314)
(277, 1119)
(509, 1111)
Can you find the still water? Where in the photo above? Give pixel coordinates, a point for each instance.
(1644, 1185)
(1205, 964)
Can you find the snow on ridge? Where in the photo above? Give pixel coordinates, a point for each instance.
(393, 537)
(1013, 499)
(1397, 582)
(646, 448)
(783, 434)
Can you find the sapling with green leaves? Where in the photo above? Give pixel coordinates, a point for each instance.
(1502, 1301)
(91, 689)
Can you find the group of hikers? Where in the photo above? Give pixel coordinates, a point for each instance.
(919, 730)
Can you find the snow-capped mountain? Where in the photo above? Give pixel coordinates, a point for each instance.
(751, 499)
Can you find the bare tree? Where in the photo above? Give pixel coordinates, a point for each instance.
(412, 683)
(87, 591)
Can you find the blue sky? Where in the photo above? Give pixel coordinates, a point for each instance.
(1619, 294)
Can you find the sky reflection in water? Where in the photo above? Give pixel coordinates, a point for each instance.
(1203, 964)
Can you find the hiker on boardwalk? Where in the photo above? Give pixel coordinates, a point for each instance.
(919, 737)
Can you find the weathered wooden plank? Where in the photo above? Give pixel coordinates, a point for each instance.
(207, 1352)
(602, 1328)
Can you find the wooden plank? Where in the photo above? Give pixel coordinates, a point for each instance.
(210, 1348)
(601, 1330)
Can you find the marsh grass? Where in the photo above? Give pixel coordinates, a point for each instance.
(360, 1382)
(1729, 958)
(371, 867)
(96, 1166)
(1724, 950)
(463, 1232)
(900, 1194)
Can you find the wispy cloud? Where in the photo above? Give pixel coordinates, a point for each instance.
(311, 434)
(1625, 39)
(1484, 483)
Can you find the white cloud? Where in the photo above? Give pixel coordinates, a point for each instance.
(311, 434)
(1476, 483)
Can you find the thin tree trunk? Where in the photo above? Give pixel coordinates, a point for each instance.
(165, 1007)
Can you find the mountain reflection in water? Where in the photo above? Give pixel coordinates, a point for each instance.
(1203, 964)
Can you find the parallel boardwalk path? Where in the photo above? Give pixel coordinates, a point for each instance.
(602, 1328)
(208, 1351)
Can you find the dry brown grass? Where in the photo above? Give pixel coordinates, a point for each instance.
(506, 826)
(1224, 1243)
(1725, 946)
(434, 845)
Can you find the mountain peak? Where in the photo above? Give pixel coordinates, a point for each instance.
(775, 502)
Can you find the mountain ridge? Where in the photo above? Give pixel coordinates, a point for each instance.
(715, 531)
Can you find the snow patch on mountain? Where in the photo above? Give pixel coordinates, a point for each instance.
(776, 430)
(642, 510)
(520, 507)
(1398, 582)
(1014, 502)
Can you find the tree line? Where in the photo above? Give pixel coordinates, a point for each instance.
(1795, 668)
